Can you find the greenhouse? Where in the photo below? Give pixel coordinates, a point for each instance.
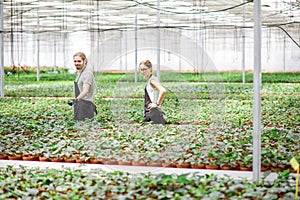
(150, 99)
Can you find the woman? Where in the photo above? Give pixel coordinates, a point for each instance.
(154, 95)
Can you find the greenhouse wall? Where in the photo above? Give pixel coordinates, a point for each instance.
(211, 49)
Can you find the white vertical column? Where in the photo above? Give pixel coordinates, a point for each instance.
(135, 39)
(121, 40)
(158, 39)
(257, 95)
(97, 67)
(38, 48)
(244, 46)
(284, 53)
(179, 49)
(65, 37)
(243, 56)
(202, 52)
(126, 53)
(1, 50)
(54, 56)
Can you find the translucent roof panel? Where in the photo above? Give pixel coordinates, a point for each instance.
(68, 15)
(218, 26)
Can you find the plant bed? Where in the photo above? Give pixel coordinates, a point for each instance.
(96, 184)
(199, 115)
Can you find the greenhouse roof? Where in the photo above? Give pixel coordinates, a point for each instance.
(32, 16)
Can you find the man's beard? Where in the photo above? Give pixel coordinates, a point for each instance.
(79, 67)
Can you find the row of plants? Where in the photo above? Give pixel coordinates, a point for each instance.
(66, 183)
(113, 88)
(123, 106)
(20, 75)
(280, 113)
(29, 70)
(209, 125)
(186, 146)
(121, 109)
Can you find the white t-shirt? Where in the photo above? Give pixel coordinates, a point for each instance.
(86, 77)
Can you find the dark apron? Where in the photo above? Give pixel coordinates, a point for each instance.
(157, 116)
(83, 109)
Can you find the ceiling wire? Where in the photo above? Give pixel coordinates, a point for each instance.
(137, 3)
(295, 42)
(145, 4)
(18, 13)
(192, 13)
(283, 10)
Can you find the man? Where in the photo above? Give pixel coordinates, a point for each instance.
(84, 106)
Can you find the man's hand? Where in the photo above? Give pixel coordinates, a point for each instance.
(72, 102)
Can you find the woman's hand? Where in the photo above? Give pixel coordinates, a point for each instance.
(152, 105)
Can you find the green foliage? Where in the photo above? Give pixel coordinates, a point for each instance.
(194, 111)
(46, 74)
(204, 119)
(69, 183)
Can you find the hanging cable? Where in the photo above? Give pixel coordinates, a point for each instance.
(193, 13)
(298, 45)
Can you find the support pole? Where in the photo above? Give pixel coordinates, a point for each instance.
(202, 53)
(38, 48)
(135, 43)
(1, 50)
(284, 53)
(126, 53)
(244, 56)
(244, 47)
(179, 49)
(65, 37)
(121, 39)
(54, 56)
(257, 95)
(158, 40)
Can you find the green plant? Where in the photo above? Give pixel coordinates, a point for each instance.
(228, 159)
(246, 161)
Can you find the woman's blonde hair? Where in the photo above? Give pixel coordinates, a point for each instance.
(146, 63)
